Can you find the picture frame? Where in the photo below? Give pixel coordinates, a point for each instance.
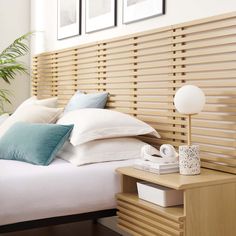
(68, 18)
(136, 10)
(100, 14)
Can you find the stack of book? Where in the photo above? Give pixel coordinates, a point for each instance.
(157, 168)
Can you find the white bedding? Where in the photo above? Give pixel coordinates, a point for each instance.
(29, 192)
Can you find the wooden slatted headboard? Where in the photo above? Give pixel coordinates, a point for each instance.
(142, 73)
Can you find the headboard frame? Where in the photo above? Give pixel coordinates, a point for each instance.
(142, 73)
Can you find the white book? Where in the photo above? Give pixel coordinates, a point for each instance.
(155, 167)
(156, 171)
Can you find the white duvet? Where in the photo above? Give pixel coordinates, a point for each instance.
(29, 192)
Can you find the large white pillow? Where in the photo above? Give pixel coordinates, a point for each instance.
(3, 117)
(114, 149)
(91, 124)
(48, 102)
(32, 114)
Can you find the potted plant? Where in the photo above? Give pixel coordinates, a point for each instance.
(10, 66)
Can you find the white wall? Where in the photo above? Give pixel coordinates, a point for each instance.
(44, 19)
(14, 22)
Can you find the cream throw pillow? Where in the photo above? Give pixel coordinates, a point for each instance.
(32, 114)
(48, 102)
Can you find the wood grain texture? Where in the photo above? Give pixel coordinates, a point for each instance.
(147, 218)
(174, 180)
(143, 71)
(211, 210)
(175, 213)
(209, 207)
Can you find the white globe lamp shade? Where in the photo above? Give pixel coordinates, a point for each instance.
(189, 100)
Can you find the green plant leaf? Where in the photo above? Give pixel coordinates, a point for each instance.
(10, 66)
(4, 98)
(17, 49)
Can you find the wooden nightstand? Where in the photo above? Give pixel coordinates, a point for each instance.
(209, 207)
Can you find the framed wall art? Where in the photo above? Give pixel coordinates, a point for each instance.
(68, 18)
(100, 14)
(135, 10)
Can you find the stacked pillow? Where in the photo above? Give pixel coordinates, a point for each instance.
(113, 149)
(101, 135)
(91, 124)
(33, 111)
(48, 102)
(98, 135)
(27, 136)
(33, 143)
(3, 117)
(91, 100)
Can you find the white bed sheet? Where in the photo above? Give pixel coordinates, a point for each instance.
(29, 192)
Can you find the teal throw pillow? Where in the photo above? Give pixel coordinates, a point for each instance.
(33, 143)
(91, 100)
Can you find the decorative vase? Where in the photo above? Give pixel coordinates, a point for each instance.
(189, 160)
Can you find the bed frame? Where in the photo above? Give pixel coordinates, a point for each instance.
(142, 72)
(57, 220)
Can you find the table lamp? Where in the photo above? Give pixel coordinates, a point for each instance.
(189, 100)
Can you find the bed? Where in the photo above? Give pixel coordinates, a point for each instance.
(141, 72)
(34, 192)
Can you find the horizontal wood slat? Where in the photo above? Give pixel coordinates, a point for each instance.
(128, 208)
(142, 224)
(143, 71)
(152, 220)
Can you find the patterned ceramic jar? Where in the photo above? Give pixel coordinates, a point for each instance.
(189, 160)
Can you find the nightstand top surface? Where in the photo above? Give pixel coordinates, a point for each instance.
(177, 181)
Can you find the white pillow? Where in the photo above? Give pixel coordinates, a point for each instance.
(31, 114)
(91, 124)
(114, 149)
(3, 117)
(48, 102)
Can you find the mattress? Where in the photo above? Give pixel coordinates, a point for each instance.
(30, 192)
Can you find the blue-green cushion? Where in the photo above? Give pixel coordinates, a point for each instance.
(33, 143)
(91, 100)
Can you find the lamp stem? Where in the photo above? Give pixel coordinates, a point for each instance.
(189, 130)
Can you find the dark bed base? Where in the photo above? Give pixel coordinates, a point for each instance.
(57, 220)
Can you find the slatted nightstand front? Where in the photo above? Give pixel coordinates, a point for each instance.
(209, 207)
